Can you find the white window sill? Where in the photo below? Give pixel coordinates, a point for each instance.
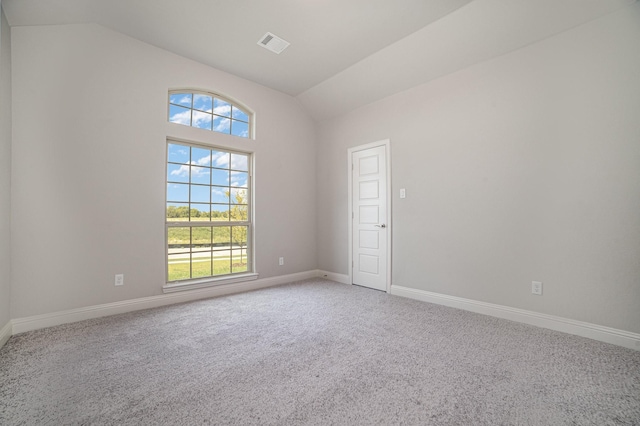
(208, 282)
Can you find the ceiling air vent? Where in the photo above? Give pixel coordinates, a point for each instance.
(273, 43)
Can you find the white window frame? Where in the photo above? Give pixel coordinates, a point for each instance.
(235, 104)
(213, 280)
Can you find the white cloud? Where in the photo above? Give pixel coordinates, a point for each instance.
(199, 171)
(184, 100)
(224, 109)
(239, 179)
(183, 171)
(204, 161)
(239, 162)
(202, 102)
(201, 120)
(183, 117)
(220, 159)
(222, 125)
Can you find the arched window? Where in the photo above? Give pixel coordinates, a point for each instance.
(209, 215)
(209, 111)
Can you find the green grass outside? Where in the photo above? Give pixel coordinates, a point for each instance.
(202, 235)
(202, 268)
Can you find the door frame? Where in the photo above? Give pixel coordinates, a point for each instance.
(350, 151)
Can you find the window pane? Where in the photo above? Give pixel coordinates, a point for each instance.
(201, 239)
(221, 263)
(221, 236)
(239, 236)
(239, 213)
(178, 173)
(239, 128)
(205, 111)
(180, 115)
(178, 153)
(239, 114)
(177, 192)
(220, 212)
(239, 261)
(198, 251)
(177, 211)
(222, 125)
(200, 212)
(240, 179)
(238, 196)
(220, 177)
(220, 159)
(201, 157)
(178, 267)
(222, 108)
(202, 102)
(200, 194)
(200, 175)
(219, 194)
(240, 162)
(201, 265)
(239, 254)
(201, 120)
(183, 99)
(179, 239)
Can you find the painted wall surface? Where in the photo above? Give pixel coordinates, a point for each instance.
(5, 171)
(89, 148)
(525, 167)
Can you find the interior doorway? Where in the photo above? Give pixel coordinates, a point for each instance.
(370, 215)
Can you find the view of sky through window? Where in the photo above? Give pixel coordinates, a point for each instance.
(206, 111)
(207, 212)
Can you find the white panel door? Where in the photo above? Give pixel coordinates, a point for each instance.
(369, 207)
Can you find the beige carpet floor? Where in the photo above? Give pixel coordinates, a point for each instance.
(313, 352)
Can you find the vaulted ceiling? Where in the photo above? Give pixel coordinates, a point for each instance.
(343, 53)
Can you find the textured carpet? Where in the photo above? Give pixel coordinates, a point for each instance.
(314, 352)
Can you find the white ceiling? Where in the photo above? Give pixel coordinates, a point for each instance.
(343, 53)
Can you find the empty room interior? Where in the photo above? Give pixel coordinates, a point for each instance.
(320, 212)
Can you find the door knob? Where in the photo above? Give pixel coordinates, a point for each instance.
(380, 226)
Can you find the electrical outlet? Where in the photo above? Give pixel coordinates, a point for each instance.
(403, 193)
(119, 279)
(281, 261)
(536, 287)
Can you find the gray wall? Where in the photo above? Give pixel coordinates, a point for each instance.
(5, 171)
(89, 145)
(525, 167)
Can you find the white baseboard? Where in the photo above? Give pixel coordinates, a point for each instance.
(341, 278)
(5, 333)
(36, 322)
(597, 332)
(578, 328)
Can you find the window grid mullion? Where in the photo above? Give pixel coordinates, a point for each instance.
(213, 115)
(230, 249)
(227, 250)
(210, 188)
(190, 252)
(204, 224)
